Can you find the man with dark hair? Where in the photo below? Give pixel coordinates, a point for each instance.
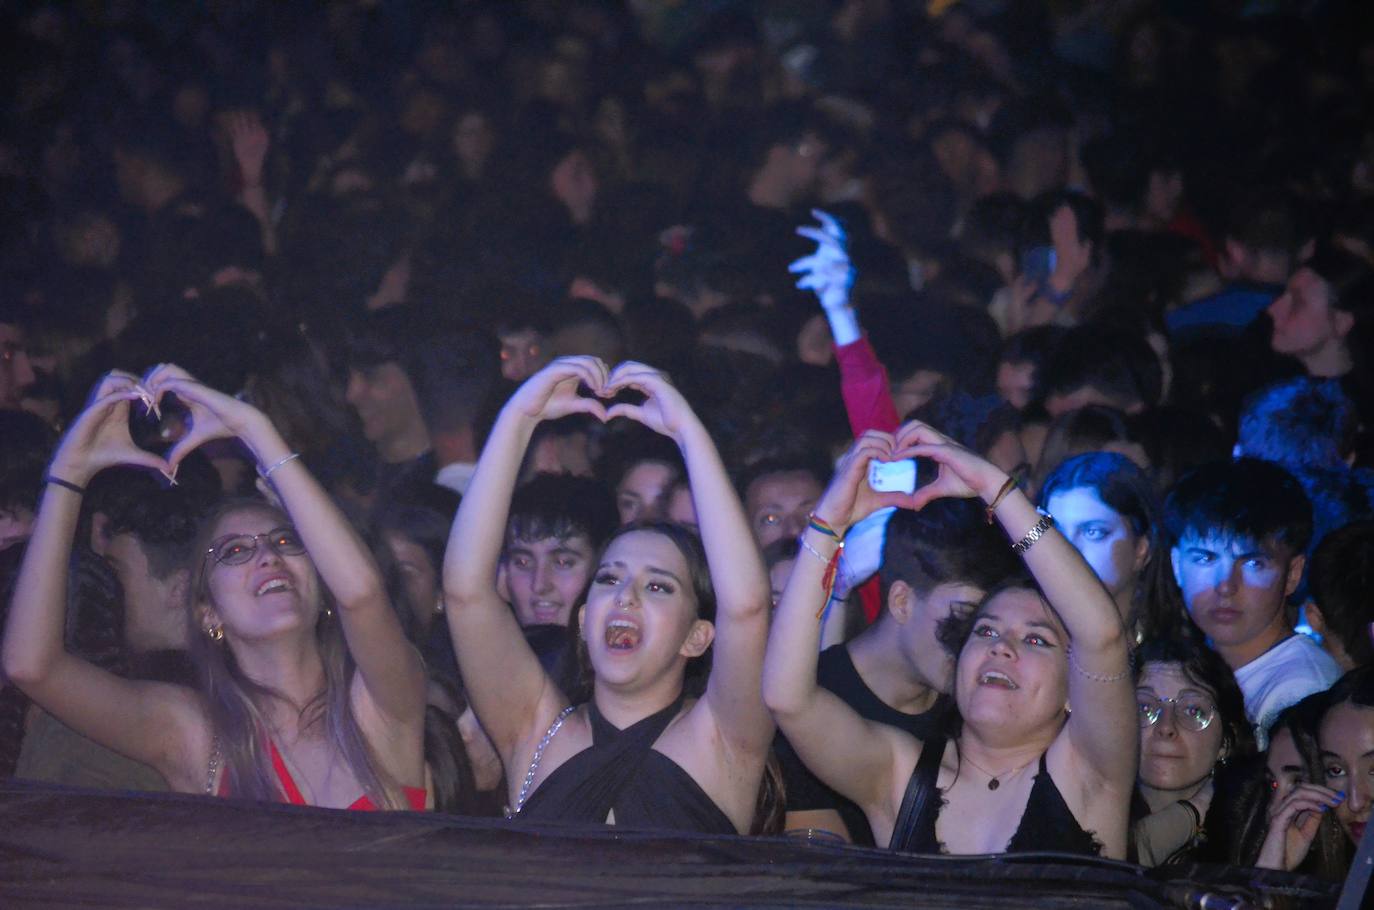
(1260, 242)
(556, 527)
(419, 395)
(779, 494)
(1092, 365)
(1339, 579)
(16, 371)
(145, 530)
(938, 562)
(1240, 530)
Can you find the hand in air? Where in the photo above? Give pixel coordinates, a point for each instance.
(849, 499)
(214, 415)
(99, 437)
(663, 410)
(827, 271)
(962, 475)
(1293, 825)
(552, 392)
(249, 140)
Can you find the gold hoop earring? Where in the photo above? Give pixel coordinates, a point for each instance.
(215, 632)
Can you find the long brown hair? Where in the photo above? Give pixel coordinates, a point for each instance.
(235, 701)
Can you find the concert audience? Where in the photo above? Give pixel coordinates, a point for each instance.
(364, 223)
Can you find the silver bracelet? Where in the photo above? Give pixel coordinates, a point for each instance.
(1098, 677)
(1028, 540)
(267, 474)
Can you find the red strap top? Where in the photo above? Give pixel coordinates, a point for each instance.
(415, 796)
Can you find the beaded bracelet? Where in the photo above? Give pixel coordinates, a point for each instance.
(1097, 677)
(832, 566)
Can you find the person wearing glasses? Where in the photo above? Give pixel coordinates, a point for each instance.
(1192, 720)
(309, 691)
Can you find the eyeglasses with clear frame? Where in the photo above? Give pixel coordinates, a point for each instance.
(237, 549)
(1190, 712)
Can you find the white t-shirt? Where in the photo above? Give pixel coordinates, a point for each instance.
(1282, 676)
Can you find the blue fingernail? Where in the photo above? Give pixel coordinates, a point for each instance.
(1340, 795)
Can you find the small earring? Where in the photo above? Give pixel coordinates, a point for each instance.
(329, 611)
(215, 632)
(439, 605)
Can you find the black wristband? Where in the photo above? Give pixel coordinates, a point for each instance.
(79, 491)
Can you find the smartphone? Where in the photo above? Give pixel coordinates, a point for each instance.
(903, 476)
(1037, 264)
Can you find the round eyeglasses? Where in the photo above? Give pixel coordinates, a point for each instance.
(1189, 713)
(237, 549)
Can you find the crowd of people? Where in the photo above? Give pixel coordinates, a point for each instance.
(938, 425)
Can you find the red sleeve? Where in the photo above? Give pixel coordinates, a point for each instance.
(864, 385)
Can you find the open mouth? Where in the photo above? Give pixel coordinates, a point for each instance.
(547, 612)
(622, 635)
(273, 586)
(997, 679)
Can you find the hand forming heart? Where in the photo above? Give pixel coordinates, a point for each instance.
(99, 437)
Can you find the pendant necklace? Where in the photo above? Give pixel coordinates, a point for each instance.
(994, 780)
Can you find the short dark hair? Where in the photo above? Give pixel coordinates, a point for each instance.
(453, 375)
(1115, 363)
(561, 505)
(1355, 687)
(164, 519)
(1246, 498)
(1350, 278)
(948, 541)
(1299, 422)
(1340, 577)
(809, 463)
(1202, 665)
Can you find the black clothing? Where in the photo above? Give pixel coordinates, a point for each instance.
(835, 671)
(622, 772)
(1047, 824)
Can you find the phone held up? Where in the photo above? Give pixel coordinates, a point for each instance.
(903, 476)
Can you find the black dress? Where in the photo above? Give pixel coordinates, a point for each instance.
(621, 772)
(1047, 825)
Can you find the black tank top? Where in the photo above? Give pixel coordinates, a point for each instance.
(1047, 825)
(620, 771)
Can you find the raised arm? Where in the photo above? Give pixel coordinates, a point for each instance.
(389, 665)
(150, 722)
(738, 576)
(1102, 727)
(505, 682)
(863, 380)
(851, 755)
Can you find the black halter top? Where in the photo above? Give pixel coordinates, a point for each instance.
(620, 771)
(1047, 825)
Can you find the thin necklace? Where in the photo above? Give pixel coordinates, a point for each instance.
(994, 780)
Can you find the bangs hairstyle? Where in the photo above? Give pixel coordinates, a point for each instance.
(1203, 667)
(954, 630)
(235, 702)
(1245, 499)
(562, 506)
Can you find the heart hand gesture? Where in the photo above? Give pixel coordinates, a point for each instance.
(552, 392)
(663, 410)
(99, 437)
(214, 415)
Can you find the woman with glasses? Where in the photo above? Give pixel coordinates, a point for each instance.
(1192, 718)
(310, 692)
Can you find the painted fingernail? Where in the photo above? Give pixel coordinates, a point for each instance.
(1340, 795)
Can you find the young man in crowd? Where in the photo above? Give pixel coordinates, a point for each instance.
(1240, 530)
(936, 563)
